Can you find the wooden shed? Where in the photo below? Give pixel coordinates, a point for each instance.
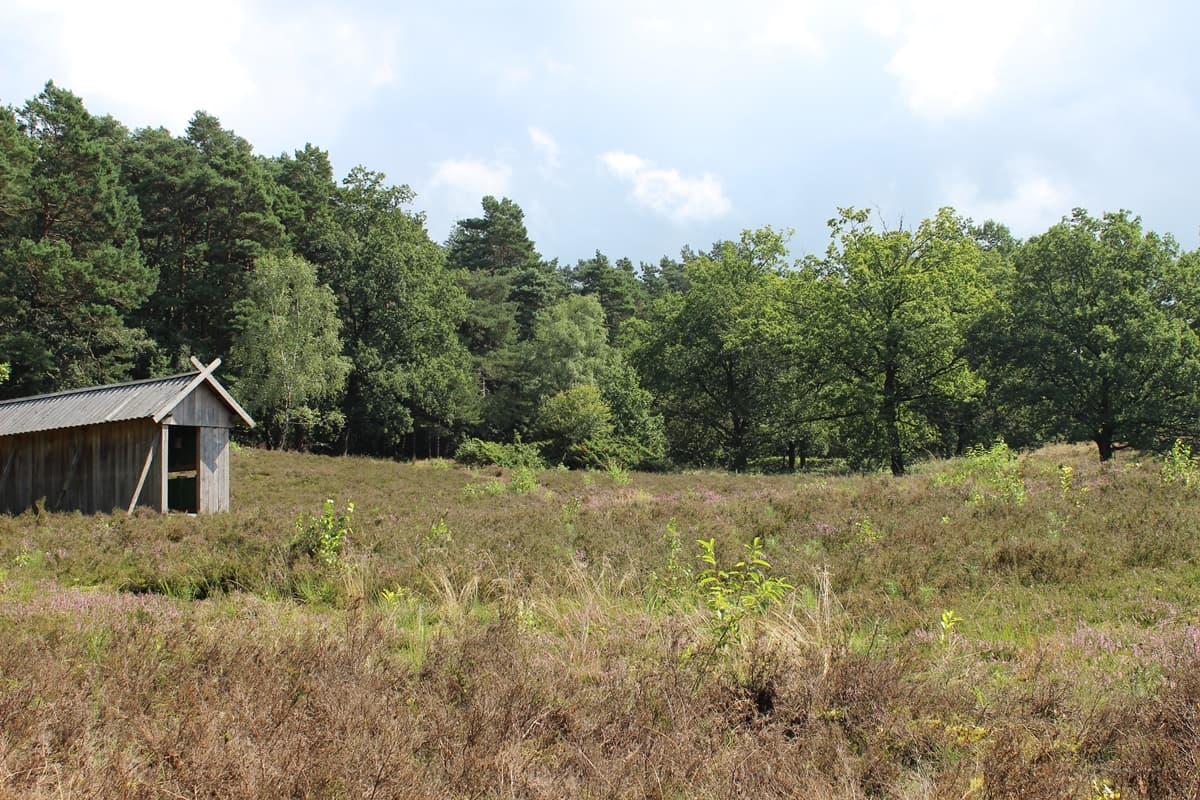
(161, 443)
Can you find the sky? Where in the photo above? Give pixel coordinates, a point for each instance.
(636, 127)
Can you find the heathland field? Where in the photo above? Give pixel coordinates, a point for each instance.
(990, 627)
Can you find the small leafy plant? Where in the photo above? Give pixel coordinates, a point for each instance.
(1180, 466)
(523, 480)
(570, 512)
(1065, 475)
(865, 532)
(617, 474)
(323, 537)
(948, 621)
(993, 472)
(492, 487)
(746, 589)
(394, 598)
(439, 534)
(675, 581)
(23, 558)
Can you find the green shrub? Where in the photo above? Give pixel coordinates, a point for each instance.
(480, 453)
(674, 583)
(522, 481)
(993, 472)
(746, 589)
(574, 415)
(1180, 466)
(322, 537)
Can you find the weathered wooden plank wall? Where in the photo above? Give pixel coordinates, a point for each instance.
(202, 408)
(92, 469)
(214, 469)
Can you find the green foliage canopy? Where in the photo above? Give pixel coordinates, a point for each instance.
(121, 253)
(286, 352)
(71, 271)
(713, 382)
(898, 305)
(400, 312)
(1102, 338)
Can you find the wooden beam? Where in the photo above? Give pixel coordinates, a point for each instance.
(204, 374)
(137, 493)
(163, 475)
(220, 390)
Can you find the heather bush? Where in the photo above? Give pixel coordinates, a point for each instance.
(544, 643)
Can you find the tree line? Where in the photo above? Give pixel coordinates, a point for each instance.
(347, 329)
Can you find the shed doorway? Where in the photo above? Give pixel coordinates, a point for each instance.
(183, 468)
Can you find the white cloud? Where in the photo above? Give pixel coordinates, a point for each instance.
(513, 78)
(789, 26)
(472, 177)
(158, 62)
(1033, 203)
(557, 68)
(543, 72)
(885, 17)
(701, 27)
(624, 165)
(546, 146)
(667, 191)
(280, 80)
(952, 55)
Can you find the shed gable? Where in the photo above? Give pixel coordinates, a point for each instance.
(203, 408)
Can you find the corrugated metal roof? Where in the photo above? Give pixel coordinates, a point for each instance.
(91, 406)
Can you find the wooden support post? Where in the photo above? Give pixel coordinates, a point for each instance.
(137, 493)
(163, 506)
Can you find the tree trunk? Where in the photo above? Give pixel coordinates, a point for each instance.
(1104, 435)
(351, 404)
(891, 420)
(1104, 442)
(737, 443)
(791, 457)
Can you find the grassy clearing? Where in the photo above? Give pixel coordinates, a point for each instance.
(485, 633)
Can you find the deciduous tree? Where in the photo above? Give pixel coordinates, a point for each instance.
(897, 305)
(712, 381)
(286, 353)
(1103, 338)
(400, 312)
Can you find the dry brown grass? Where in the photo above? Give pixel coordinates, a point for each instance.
(520, 655)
